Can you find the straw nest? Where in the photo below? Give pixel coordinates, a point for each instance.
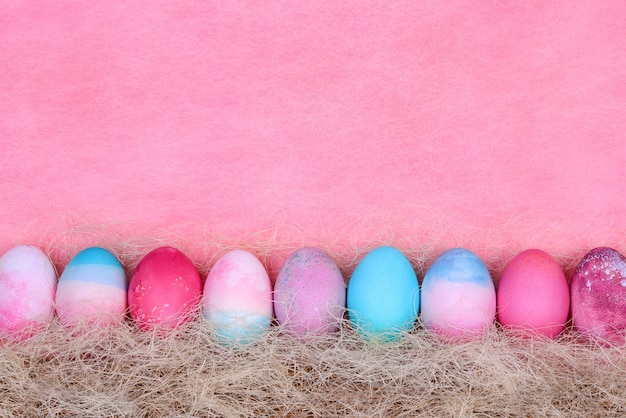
(127, 372)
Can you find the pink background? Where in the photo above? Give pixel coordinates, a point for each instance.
(493, 125)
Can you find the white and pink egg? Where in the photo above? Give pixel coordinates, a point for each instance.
(237, 298)
(27, 289)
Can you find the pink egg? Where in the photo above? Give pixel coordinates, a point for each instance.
(27, 289)
(533, 295)
(164, 290)
(237, 298)
(310, 293)
(599, 295)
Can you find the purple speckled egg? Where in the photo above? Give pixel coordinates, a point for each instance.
(599, 295)
(310, 293)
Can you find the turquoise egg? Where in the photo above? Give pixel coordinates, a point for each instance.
(383, 295)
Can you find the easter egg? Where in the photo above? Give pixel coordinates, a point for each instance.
(458, 295)
(237, 298)
(533, 295)
(27, 288)
(92, 289)
(164, 291)
(309, 293)
(599, 295)
(383, 295)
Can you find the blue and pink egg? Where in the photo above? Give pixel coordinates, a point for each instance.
(92, 289)
(459, 298)
(237, 298)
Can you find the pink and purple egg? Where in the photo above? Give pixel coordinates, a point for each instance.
(309, 293)
(92, 290)
(237, 298)
(599, 295)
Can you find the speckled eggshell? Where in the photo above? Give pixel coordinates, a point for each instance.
(164, 291)
(599, 295)
(458, 295)
(383, 295)
(237, 298)
(27, 288)
(533, 295)
(92, 289)
(309, 293)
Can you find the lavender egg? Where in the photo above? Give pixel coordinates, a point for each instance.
(310, 293)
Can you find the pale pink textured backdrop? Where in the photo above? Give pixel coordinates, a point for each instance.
(486, 124)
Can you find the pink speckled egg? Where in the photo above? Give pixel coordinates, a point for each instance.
(237, 298)
(533, 295)
(599, 295)
(27, 290)
(310, 293)
(164, 290)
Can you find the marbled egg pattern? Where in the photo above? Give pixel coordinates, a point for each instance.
(27, 291)
(598, 293)
(237, 298)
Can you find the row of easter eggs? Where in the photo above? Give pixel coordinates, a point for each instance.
(457, 295)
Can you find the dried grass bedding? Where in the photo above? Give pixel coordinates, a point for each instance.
(126, 372)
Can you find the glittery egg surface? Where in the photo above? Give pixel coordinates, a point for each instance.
(533, 296)
(599, 295)
(27, 290)
(309, 293)
(383, 295)
(92, 289)
(458, 295)
(237, 298)
(164, 291)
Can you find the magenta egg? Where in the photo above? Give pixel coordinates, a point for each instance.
(164, 291)
(310, 293)
(533, 295)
